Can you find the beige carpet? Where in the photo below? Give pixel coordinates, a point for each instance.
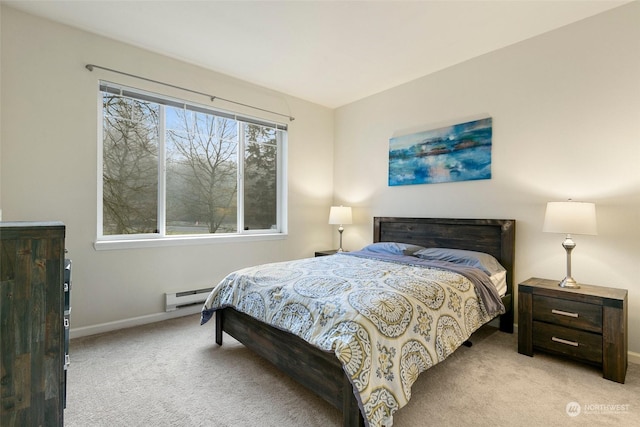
(173, 374)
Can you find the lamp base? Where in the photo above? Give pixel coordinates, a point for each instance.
(569, 282)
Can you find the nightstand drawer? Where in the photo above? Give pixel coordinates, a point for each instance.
(588, 323)
(573, 314)
(571, 342)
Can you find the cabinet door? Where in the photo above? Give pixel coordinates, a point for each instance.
(32, 329)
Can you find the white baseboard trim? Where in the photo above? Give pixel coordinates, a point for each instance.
(128, 323)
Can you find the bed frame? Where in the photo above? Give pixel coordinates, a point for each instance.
(322, 372)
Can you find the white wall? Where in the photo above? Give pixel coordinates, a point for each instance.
(566, 116)
(566, 123)
(49, 166)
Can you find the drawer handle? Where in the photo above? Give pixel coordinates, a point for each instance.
(567, 342)
(564, 313)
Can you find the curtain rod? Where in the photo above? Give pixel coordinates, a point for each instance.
(90, 67)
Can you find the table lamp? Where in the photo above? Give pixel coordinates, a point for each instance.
(340, 215)
(570, 218)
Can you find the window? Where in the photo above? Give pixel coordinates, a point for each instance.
(171, 168)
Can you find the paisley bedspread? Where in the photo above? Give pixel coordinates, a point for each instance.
(386, 320)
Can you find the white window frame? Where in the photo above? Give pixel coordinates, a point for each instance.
(126, 241)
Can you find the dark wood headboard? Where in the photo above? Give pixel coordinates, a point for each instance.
(493, 236)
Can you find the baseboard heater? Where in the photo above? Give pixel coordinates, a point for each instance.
(176, 300)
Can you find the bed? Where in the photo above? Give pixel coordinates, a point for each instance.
(321, 370)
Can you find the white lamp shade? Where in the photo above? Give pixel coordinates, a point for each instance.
(570, 218)
(340, 215)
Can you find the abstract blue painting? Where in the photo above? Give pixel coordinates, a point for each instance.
(460, 152)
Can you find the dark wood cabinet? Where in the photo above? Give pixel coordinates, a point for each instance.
(32, 327)
(588, 324)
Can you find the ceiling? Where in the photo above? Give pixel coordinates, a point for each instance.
(327, 52)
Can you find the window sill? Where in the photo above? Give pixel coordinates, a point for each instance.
(106, 245)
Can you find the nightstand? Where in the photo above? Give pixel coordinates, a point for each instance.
(587, 324)
(327, 252)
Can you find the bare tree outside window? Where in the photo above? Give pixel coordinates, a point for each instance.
(202, 170)
(171, 168)
(130, 166)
